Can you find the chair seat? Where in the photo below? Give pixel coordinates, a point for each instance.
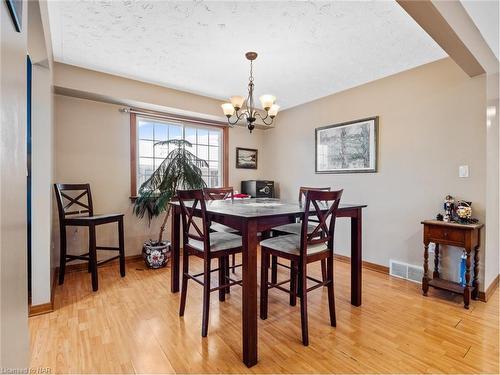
(222, 228)
(295, 228)
(84, 220)
(95, 217)
(219, 241)
(290, 244)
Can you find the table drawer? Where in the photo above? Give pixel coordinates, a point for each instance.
(440, 233)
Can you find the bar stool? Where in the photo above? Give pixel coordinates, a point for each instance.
(74, 203)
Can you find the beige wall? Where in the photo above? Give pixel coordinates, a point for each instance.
(432, 120)
(124, 90)
(92, 144)
(468, 35)
(241, 137)
(89, 84)
(42, 158)
(41, 184)
(492, 256)
(13, 278)
(457, 32)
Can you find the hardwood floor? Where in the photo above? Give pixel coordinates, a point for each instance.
(132, 325)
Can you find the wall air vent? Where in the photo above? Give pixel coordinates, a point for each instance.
(406, 271)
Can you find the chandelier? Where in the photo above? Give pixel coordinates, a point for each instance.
(240, 107)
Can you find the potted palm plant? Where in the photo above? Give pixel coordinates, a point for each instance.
(181, 169)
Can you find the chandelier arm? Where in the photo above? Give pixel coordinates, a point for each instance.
(230, 122)
(268, 123)
(264, 119)
(238, 117)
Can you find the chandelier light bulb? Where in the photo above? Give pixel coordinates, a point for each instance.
(273, 111)
(228, 109)
(267, 101)
(237, 102)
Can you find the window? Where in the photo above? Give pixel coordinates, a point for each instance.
(207, 143)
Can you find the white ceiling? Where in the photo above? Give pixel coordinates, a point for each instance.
(307, 50)
(486, 16)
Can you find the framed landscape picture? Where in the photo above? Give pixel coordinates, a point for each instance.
(246, 158)
(349, 147)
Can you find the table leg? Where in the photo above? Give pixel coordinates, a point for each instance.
(249, 255)
(356, 258)
(175, 258)
(121, 246)
(425, 278)
(93, 257)
(435, 274)
(467, 279)
(475, 280)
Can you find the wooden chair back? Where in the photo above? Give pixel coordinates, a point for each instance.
(323, 205)
(302, 195)
(73, 200)
(304, 189)
(191, 200)
(218, 193)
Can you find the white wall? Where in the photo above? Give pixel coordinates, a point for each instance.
(13, 273)
(432, 121)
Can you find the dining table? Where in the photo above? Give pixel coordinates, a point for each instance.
(249, 217)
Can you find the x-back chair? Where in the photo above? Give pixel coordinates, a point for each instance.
(221, 194)
(295, 228)
(218, 193)
(307, 247)
(74, 203)
(199, 241)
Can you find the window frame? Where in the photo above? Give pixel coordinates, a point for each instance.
(186, 121)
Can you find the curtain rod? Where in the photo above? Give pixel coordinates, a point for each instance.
(172, 117)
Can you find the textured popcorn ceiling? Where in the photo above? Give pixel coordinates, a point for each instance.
(306, 50)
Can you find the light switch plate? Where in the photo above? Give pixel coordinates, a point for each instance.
(463, 171)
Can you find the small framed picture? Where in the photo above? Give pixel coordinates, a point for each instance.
(349, 147)
(16, 13)
(246, 158)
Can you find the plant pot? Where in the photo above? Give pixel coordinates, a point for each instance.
(155, 254)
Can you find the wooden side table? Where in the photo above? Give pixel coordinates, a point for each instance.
(466, 236)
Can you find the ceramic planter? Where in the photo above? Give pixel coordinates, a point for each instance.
(156, 254)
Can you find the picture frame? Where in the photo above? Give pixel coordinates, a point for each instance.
(246, 158)
(16, 13)
(347, 147)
